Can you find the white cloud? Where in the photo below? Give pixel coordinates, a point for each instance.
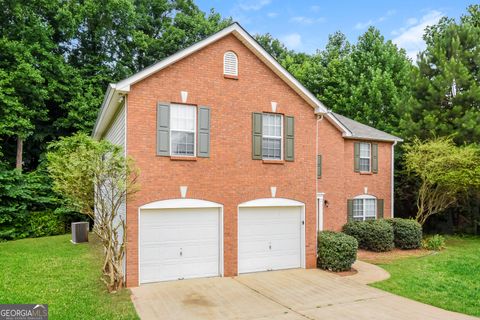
(410, 37)
(364, 25)
(315, 8)
(272, 14)
(292, 40)
(411, 21)
(253, 5)
(306, 20)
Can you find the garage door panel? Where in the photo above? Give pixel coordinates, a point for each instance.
(269, 238)
(179, 243)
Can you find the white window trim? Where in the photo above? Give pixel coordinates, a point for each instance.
(369, 157)
(274, 137)
(363, 198)
(190, 131)
(235, 74)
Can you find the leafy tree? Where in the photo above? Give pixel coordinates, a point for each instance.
(29, 207)
(59, 56)
(447, 81)
(329, 78)
(273, 46)
(369, 81)
(96, 179)
(445, 172)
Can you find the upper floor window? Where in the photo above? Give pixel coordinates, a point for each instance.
(230, 64)
(272, 136)
(365, 157)
(182, 130)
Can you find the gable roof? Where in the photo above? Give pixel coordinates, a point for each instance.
(355, 130)
(115, 91)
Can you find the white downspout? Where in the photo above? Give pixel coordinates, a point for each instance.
(393, 182)
(319, 119)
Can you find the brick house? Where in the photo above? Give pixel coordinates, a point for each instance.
(240, 165)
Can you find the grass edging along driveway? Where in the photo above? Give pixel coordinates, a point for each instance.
(65, 276)
(449, 279)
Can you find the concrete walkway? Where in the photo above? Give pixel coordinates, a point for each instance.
(289, 294)
(368, 273)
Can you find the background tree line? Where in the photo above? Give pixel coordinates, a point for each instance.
(57, 57)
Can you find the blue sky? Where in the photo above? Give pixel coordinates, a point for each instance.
(304, 25)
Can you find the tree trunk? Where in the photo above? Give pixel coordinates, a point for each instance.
(19, 163)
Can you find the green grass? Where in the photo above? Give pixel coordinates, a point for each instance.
(65, 276)
(449, 279)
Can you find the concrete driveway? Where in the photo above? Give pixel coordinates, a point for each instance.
(290, 294)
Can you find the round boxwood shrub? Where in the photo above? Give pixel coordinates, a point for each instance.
(336, 251)
(373, 235)
(407, 233)
(379, 235)
(358, 230)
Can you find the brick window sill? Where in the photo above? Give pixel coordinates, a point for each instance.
(273, 161)
(226, 76)
(177, 158)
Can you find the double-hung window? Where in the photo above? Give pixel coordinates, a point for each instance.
(365, 157)
(183, 130)
(272, 136)
(364, 208)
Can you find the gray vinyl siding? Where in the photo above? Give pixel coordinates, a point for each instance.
(116, 132)
(116, 135)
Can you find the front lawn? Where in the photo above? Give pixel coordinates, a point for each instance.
(449, 279)
(65, 276)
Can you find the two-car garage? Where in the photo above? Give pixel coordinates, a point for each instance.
(183, 238)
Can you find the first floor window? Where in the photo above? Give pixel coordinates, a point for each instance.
(364, 208)
(182, 130)
(272, 136)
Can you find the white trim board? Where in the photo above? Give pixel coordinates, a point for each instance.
(271, 202)
(235, 29)
(181, 203)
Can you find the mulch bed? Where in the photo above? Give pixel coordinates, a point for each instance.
(389, 256)
(350, 272)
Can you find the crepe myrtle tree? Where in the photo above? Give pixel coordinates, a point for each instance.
(96, 178)
(445, 172)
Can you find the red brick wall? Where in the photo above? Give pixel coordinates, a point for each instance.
(229, 176)
(340, 182)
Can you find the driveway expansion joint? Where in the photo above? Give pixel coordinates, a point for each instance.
(273, 300)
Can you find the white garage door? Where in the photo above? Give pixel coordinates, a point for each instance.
(269, 238)
(179, 244)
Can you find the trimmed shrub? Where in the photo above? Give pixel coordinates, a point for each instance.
(358, 230)
(407, 233)
(436, 242)
(45, 223)
(373, 235)
(336, 251)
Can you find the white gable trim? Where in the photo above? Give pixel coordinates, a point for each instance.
(123, 87)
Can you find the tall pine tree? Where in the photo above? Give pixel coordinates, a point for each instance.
(447, 82)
